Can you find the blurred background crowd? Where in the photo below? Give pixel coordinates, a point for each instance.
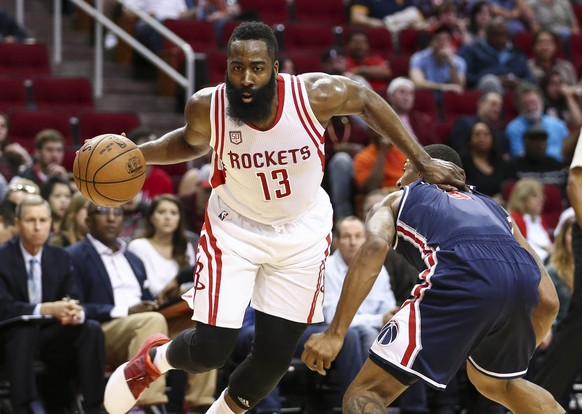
(497, 80)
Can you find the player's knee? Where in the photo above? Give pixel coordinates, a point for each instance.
(357, 399)
(550, 303)
(202, 349)
(487, 386)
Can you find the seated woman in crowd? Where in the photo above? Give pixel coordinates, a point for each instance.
(484, 165)
(57, 191)
(73, 227)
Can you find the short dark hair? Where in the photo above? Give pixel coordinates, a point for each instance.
(445, 153)
(256, 31)
(49, 185)
(47, 135)
(8, 212)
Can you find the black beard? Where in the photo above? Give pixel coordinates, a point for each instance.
(259, 109)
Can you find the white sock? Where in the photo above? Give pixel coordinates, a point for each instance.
(160, 360)
(220, 406)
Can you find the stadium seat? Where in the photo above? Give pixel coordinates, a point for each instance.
(424, 101)
(199, 34)
(399, 65)
(380, 39)
(510, 111)
(24, 60)
(308, 61)
(13, 93)
(308, 37)
(215, 66)
(69, 95)
(443, 132)
(575, 49)
(412, 40)
(93, 123)
(455, 104)
(323, 12)
(269, 11)
(24, 125)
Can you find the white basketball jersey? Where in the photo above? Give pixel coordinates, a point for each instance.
(270, 176)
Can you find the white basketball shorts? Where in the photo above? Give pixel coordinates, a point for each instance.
(279, 270)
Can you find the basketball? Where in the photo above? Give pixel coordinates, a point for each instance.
(109, 170)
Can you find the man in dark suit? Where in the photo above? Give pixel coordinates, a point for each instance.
(37, 279)
(114, 292)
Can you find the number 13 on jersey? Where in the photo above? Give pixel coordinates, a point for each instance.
(279, 180)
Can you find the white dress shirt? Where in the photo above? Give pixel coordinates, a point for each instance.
(126, 288)
(380, 300)
(37, 273)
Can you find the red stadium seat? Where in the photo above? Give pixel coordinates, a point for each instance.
(24, 125)
(424, 101)
(411, 40)
(455, 104)
(308, 37)
(575, 49)
(70, 95)
(399, 65)
(305, 61)
(323, 12)
(443, 131)
(92, 123)
(24, 60)
(12, 94)
(510, 111)
(269, 11)
(215, 66)
(199, 34)
(379, 38)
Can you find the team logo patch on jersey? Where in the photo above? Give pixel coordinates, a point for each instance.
(388, 333)
(235, 137)
(222, 215)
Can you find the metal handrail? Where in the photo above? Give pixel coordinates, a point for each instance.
(187, 82)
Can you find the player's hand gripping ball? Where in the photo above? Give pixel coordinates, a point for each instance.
(109, 170)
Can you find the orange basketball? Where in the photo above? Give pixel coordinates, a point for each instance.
(109, 170)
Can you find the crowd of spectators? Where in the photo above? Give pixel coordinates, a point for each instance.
(516, 156)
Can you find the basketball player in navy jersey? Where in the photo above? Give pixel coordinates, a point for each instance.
(483, 297)
(268, 222)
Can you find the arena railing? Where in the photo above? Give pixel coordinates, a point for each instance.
(186, 81)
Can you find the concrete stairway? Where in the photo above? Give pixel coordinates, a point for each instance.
(121, 92)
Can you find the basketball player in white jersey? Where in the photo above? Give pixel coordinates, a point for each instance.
(268, 223)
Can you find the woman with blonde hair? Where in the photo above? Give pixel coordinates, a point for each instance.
(525, 206)
(561, 266)
(73, 227)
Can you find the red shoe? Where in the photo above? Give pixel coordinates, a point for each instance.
(129, 380)
(140, 372)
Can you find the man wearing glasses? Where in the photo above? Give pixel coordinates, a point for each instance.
(114, 292)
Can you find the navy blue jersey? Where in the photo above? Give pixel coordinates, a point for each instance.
(431, 218)
(477, 288)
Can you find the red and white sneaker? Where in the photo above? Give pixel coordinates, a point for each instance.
(129, 380)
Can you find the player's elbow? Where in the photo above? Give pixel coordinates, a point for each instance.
(376, 247)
